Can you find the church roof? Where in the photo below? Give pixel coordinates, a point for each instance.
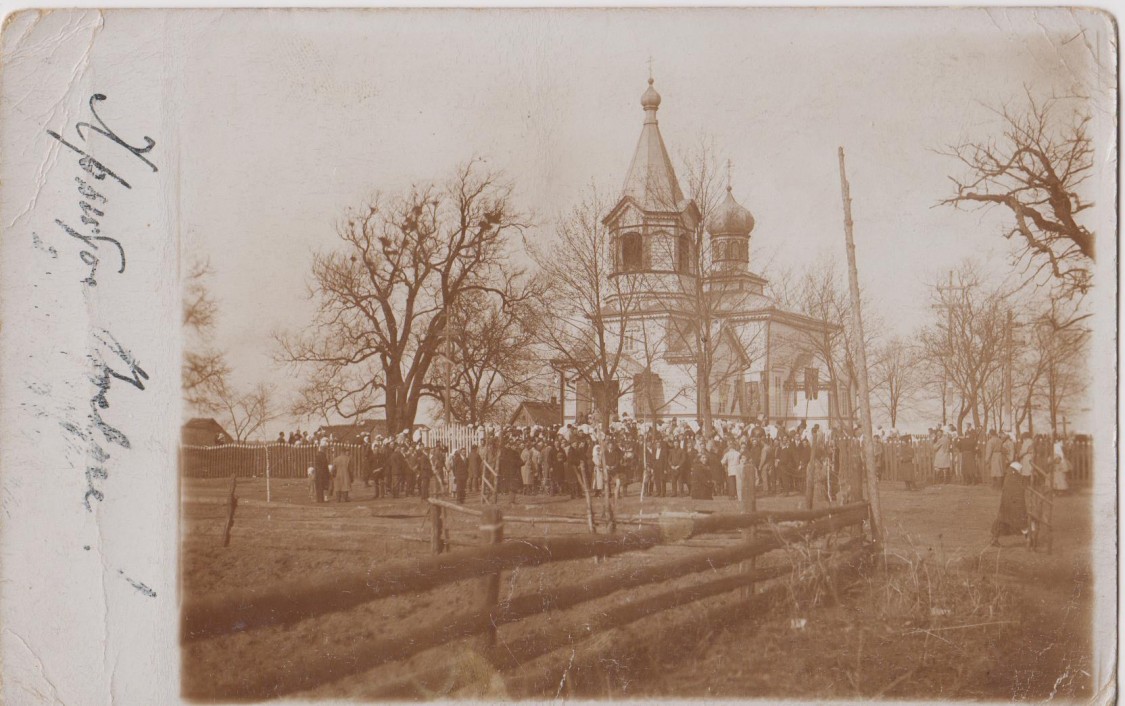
(731, 218)
(651, 182)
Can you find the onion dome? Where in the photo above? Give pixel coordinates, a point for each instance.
(731, 218)
(650, 100)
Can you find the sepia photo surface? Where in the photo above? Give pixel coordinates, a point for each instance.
(601, 354)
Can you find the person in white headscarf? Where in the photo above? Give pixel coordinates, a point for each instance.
(1012, 517)
(1060, 467)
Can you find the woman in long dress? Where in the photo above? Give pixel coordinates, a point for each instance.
(906, 462)
(994, 458)
(1012, 518)
(1060, 469)
(701, 474)
(943, 456)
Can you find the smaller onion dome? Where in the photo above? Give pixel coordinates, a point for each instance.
(731, 218)
(650, 99)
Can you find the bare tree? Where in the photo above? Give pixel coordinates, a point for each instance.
(493, 362)
(593, 309)
(247, 412)
(1058, 354)
(966, 338)
(205, 370)
(1035, 169)
(386, 294)
(896, 379)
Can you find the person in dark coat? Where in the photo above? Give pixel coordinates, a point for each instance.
(767, 465)
(367, 470)
(379, 469)
(510, 462)
(475, 468)
(558, 468)
(1012, 517)
(396, 471)
(967, 448)
(423, 470)
(754, 455)
(679, 468)
(576, 467)
(701, 472)
(786, 466)
(804, 454)
(460, 474)
(321, 473)
(906, 462)
(657, 458)
(613, 468)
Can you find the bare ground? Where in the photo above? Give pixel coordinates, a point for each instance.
(1001, 624)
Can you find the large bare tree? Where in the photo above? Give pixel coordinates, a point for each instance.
(385, 295)
(1035, 168)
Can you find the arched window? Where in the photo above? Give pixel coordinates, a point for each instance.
(740, 251)
(632, 253)
(720, 249)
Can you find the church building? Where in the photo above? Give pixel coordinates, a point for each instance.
(670, 301)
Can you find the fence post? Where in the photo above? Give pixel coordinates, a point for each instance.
(233, 506)
(749, 504)
(436, 543)
(268, 497)
(492, 532)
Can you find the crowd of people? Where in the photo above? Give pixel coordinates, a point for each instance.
(675, 458)
(976, 457)
(678, 459)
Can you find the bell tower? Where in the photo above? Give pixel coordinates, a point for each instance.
(653, 224)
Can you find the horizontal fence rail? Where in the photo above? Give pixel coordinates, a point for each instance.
(289, 603)
(281, 605)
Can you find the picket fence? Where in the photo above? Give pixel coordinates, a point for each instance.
(452, 437)
(249, 460)
(915, 460)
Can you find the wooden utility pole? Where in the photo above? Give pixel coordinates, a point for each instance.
(233, 505)
(945, 293)
(1008, 375)
(861, 359)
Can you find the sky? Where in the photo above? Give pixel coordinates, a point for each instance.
(288, 119)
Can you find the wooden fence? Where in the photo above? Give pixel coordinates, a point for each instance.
(916, 460)
(249, 460)
(206, 618)
(452, 437)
